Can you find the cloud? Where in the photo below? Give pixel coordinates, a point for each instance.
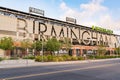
(93, 7)
(91, 13)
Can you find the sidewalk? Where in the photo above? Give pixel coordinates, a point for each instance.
(29, 63)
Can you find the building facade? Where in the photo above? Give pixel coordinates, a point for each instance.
(21, 25)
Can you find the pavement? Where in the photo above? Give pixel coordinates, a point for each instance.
(29, 63)
(102, 69)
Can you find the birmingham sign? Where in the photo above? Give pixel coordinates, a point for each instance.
(32, 28)
(49, 29)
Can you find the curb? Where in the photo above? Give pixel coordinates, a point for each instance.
(20, 65)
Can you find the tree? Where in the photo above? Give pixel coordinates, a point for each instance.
(53, 45)
(101, 50)
(6, 43)
(66, 44)
(117, 50)
(25, 44)
(37, 46)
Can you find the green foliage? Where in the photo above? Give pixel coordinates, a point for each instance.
(37, 45)
(50, 58)
(91, 57)
(80, 58)
(60, 58)
(1, 59)
(29, 57)
(66, 57)
(25, 44)
(53, 45)
(117, 50)
(101, 50)
(55, 59)
(38, 58)
(67, 44)
(13, 58)
(74, 58)
(6, 43)
(105, 57)
(102, 30)
(45, 59)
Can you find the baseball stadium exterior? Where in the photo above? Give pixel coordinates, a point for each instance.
(21, 25)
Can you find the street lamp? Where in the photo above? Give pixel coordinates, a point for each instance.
(27, 57)
(42, 51)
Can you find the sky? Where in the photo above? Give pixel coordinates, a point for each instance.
(103, 13)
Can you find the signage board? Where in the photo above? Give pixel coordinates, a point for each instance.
(37, 11)
(71, 20)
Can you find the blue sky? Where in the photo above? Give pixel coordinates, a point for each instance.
(104, 13)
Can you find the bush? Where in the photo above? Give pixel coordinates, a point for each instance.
(38, 58)
(50, 57)
(45, 58)
(104, 57)
(61, 58)
(80, 58)
(13, 58)
(55, 59)
(1, 59)
(29, 57)
(118, 56)
(66, 57)
(91, 57)
(74, 58)
(97, 57)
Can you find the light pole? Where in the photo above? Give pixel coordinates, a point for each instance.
(34, 48)
(27, 57)
(42, 51)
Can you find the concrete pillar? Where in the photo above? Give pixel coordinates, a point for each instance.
(74, 52)
(110, 52)
(81, 52)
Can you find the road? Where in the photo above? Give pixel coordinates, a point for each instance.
(105, 70)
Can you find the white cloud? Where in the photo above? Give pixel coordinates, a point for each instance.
(63, 6)
(93, 6)
(67, 11)
(92, 13)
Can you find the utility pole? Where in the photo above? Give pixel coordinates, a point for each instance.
(27, 56)
(42, 51)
